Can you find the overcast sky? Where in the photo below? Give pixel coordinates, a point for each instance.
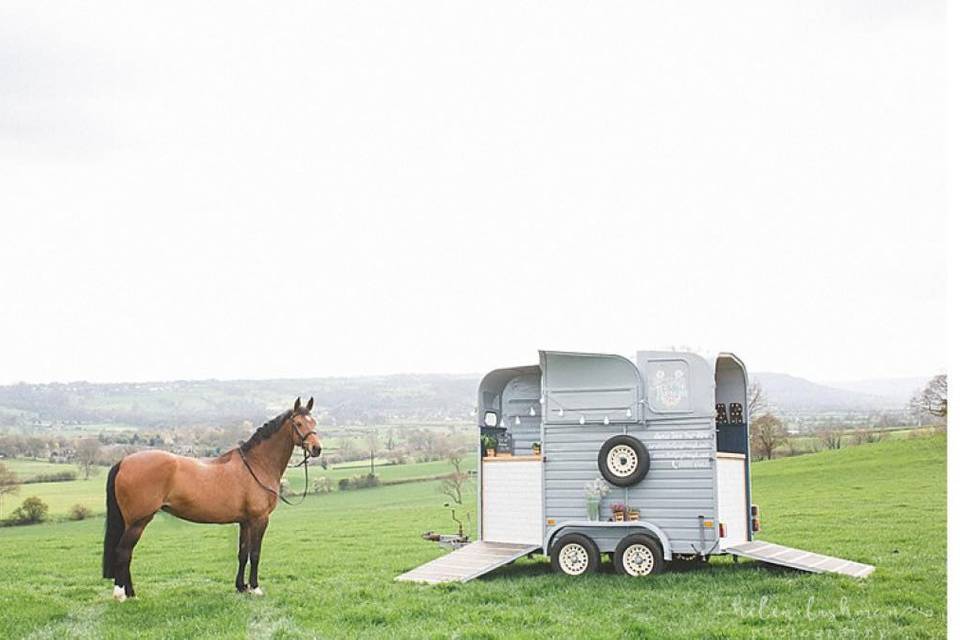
(193, 190)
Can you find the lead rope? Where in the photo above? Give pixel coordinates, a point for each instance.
(306, 477)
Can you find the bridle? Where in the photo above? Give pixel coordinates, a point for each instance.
(303, 463)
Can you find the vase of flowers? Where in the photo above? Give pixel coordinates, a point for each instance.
(595, 490)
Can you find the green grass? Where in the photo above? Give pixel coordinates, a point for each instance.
(28, 468)
(385, 472)
(328, 570)
(59, 496)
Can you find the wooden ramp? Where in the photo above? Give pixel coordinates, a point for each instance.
(798, 559)
(468, 563)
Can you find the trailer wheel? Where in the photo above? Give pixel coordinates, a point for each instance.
(575, 555)
(623, 461)
(638, 555)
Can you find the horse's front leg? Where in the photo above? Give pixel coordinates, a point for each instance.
(243, 555)
(257, 529)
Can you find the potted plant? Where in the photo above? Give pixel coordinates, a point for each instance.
(536, 448)
(595, 490)
(633, 514)
(489, 444)
(619, 511)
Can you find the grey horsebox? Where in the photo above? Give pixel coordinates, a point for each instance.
(648, 460)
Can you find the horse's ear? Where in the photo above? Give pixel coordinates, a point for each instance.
(310, 404)
(296, 405)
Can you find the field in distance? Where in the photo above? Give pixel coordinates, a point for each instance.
(328, 569)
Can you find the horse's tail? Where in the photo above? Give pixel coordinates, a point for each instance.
(114, 528)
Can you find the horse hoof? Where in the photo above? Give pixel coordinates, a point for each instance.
(257, 592)
(119, 594)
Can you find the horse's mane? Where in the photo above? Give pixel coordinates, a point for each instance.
(267, 430)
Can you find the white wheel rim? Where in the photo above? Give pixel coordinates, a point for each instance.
(574, 559)
(622, 460)
(638, 560)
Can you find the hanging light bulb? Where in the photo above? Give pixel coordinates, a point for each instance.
(543, 400)
(629, 413)
(533, 412)
(560, 412)
(583, 420)
(606, 420)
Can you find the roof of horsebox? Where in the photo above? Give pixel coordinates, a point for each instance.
(589, 387)
(670, 383)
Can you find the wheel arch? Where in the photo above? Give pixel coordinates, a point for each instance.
(587, 528)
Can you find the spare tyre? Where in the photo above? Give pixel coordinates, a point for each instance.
(623, 461)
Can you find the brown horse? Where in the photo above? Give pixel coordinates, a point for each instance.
(240, 486)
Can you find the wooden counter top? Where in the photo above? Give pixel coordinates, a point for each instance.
(502, 457)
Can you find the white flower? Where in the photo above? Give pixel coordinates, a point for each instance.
(596, 488)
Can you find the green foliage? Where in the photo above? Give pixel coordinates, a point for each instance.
(322, 485)
(859, 503)
(367, 481)
(766, 434)
(31, 511)
(78, 512)
(59, 476)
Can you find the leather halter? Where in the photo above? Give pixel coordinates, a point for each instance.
(303, 463)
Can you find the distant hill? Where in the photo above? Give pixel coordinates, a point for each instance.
(403, 398)
(359, 400)
(790, 393)
(899, 390)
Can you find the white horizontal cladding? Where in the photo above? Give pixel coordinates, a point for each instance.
(512, 502)
(702, 482)
(678, 490)
(732, 499)
(662, 493)
(581, 434)
(585, 471)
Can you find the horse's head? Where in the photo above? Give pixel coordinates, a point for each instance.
(303, 428)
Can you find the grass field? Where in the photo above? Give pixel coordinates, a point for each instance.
(328, 570)
(27, 468)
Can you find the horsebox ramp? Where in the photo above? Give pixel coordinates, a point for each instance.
(799, 559)
(468, 562)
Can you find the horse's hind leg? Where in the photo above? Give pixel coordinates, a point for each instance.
(258, 528)
(128, 541)
(243, 555)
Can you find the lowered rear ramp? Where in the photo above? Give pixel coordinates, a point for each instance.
(467, 563)
(798, 559)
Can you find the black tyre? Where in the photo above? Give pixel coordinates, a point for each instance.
(623, 461)
(638, 555)
(575, 555)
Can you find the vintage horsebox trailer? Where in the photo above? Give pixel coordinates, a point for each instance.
(667, 437)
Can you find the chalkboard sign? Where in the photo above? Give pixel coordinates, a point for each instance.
(504, 443)
(504, 439)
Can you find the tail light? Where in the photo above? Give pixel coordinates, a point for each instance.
(755, 518)
(723, 530)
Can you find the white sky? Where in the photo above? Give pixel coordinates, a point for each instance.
(192, 190)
